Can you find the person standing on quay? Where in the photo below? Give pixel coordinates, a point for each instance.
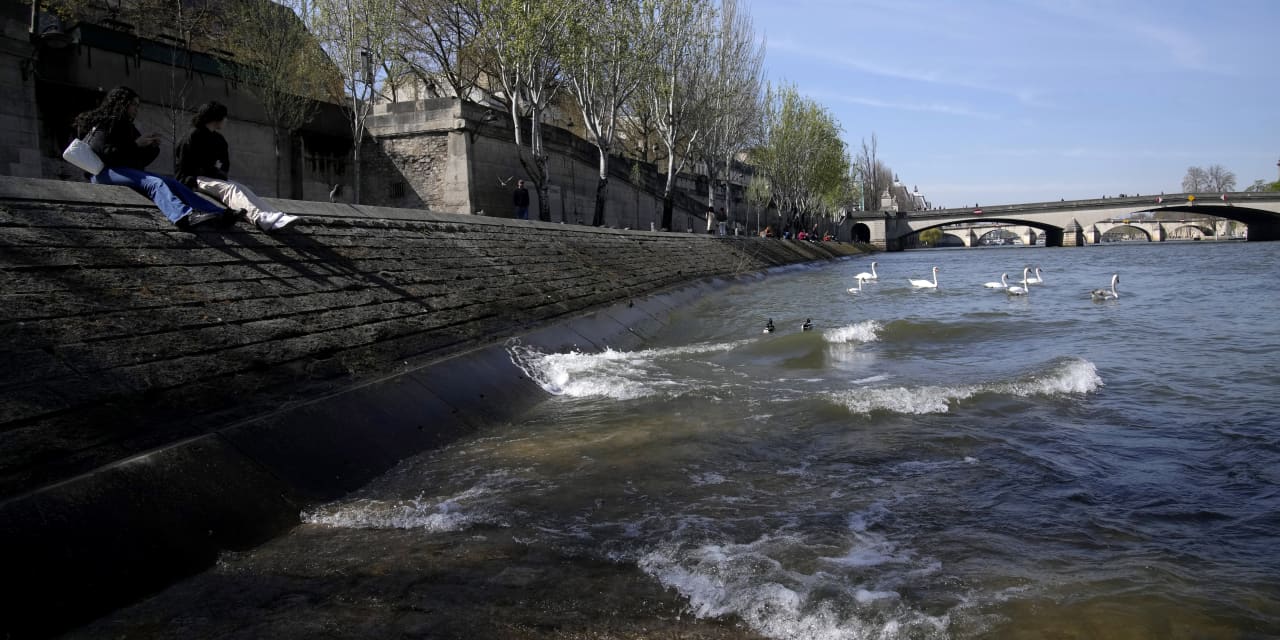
(711, 219)
(203, 161)
(521, 200)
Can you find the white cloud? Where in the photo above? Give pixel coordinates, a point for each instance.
(932, 107)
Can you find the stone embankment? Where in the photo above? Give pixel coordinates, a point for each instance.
(169, 395)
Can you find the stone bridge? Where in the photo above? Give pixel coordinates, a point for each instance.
(972, 235)
(1077, 222)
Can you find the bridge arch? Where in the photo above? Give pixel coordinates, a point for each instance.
(860, 233)
(1120, 232)
(1190, 231)
(1006, 236)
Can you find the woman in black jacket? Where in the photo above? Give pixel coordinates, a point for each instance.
(203, 163)
(125, 152)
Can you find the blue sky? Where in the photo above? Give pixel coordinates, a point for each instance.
(991, 102)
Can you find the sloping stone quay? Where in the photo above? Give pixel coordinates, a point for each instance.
(169, 395)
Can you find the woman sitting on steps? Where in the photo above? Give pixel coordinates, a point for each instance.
(203, 162)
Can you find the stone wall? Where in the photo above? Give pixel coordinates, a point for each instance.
(42, 89)
(462, 158)
(167, 395)
(19, 121)
(410, 172)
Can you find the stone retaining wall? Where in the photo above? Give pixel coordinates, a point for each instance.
(167, 395)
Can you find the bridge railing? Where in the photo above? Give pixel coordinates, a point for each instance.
(1166, 199)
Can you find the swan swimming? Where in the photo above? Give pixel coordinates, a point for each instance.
(858, 289)
(869, 276)
(1036, 279)
(1016, 290)
(1107, 294)
(926, 284)
(1003, 284)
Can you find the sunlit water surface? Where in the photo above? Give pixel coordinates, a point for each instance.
(950, 463)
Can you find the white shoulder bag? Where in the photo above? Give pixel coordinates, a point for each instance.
(81, 155)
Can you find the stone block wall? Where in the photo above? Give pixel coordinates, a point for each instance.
(411, 171)
(124, 333)
(19, 122)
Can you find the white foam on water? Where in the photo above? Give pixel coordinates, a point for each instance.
(706, 479)
(621, 375)
(747, 581)
(479, 504)
(865, 331)
(1073, 376)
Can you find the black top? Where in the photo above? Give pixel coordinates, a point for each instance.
(521, 197)
(116, 143)
(202, 153)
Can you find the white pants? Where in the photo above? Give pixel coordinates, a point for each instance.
(236, 196)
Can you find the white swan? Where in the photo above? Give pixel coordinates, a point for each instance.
(1107, 294)
(926, 284)
(1003, 284)
(1015, 290)
(858, 289)
(869, 276)
(1036, 279)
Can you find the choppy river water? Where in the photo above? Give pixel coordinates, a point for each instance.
(950, 463)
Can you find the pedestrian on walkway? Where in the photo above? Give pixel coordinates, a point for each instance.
(203, 162)
(520, 198)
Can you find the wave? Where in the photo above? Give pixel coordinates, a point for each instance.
(1073, 376)
(621, 375)
(865, 331)
(973, 328)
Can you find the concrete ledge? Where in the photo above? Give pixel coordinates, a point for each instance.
(85, 546)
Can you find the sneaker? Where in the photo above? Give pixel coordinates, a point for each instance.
(268, 220)
(196, 218)
(284, 221)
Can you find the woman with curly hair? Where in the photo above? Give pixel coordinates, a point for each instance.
(125, 153)
(203, 163)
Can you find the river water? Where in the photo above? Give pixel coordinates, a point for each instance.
(950, 463)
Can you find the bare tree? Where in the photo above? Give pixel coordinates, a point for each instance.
(1196, 180)
(734, 104)
(436, 44)
(676, 90)
(356, 35)
(279, 61)
(1220, 179)
(607, 50)
(874, 176)
(521, 43)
